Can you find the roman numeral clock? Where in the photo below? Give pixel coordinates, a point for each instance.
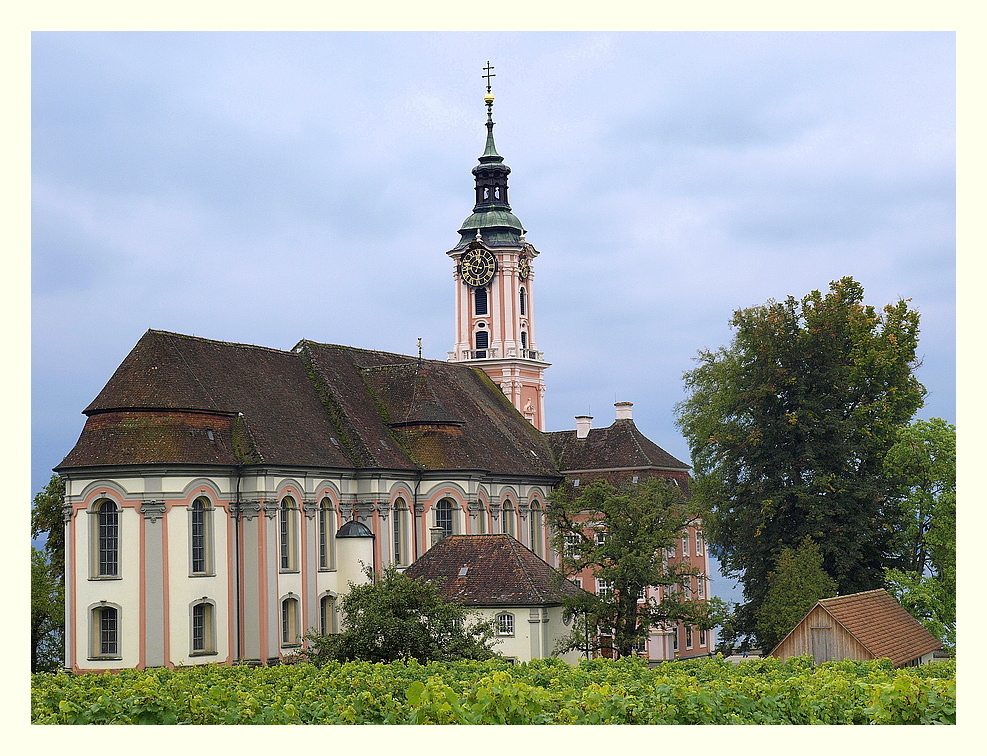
(494, 281)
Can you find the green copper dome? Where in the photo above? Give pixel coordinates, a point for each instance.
(492, 215)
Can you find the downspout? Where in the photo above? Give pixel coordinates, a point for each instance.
(236, 563)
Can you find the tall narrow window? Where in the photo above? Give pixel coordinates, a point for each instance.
(200, 536)
(523, 301)
(700, 545)
(482, 343)
(327, 614)
(203, 634)
(507, 518)
(286, 540)
(327, 526)
(480, 300)
(106, 631)
(444, 516)
(685, 544)
(524, 339)
(108, 540)
(289, 622)
(536, 529)
(398, 514)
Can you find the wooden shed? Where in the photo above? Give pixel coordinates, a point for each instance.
(868, 625)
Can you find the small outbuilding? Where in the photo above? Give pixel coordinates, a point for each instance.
(502, 580)
(862, 626)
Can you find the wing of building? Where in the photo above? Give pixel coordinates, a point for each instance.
(222, 496)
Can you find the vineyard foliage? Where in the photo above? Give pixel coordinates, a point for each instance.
(545, 691)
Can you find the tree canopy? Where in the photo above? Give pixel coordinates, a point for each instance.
(794, 586)
(623, 535)
(394, 617)
(789, 427)
(47, 578)
(922, 467)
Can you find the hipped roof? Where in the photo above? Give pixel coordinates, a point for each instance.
(500, 571)
(621, 445)
(187, 400)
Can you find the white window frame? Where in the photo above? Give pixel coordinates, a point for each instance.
(328, 624)
(97, 628)
(326, 530)
(290, 621)
(700, 544)
(399, 552)
(288, 535)
(506, 626)
(208, 610)
(537, 532)
(685, 544)
(96, 567)
(441, 510)
(688, 637)
(507, 517)
(604, 587)
(206, 568)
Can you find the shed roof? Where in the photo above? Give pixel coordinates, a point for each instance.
(500, 571)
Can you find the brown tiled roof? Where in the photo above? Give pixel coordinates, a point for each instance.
(318, 405)
(881, 625)
(500, 572)
(621, 445)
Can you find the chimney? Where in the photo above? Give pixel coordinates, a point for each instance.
(583, 424)
(436, 534)
(624, 410)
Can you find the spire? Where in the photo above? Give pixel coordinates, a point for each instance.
(490, 149)
(491, 211)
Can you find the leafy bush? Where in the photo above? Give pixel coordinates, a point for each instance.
(545, 691)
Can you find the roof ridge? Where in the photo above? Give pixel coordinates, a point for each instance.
(204, 340)
(511, 541)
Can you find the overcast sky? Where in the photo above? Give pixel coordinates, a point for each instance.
(268, 187)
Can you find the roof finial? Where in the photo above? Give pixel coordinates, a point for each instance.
(419, 351)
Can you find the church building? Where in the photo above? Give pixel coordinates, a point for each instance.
(222, 496)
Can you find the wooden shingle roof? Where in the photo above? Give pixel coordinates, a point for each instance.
(499, 571)
(881, 625)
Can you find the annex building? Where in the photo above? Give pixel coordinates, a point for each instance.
(222, 496)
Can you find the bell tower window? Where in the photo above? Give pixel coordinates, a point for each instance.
(480, 300)
(482, 343)
(523, 301)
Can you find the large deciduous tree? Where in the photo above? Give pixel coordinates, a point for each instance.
(47, 578)
(623, 536)
(789, 427)
(922, 466)
(394, 617)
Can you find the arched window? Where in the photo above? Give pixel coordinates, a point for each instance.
(444, 516)
(203, 627)
(398, 515)
(327, 614)
(105, 632)
(507, 517)
(107, 539)
(480, 300)
(288, 537)
(482, 343)
(535, 523)
(289, 621)
(200, 537)
(481, 518)
(327, 527)
(523, 297)
(505, 624)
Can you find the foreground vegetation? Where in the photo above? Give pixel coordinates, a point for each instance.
(547, 691)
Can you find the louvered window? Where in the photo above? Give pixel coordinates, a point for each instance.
(480, 300)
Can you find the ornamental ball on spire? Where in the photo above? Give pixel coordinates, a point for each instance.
(488, 98)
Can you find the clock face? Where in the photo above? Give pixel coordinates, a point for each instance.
(523, 268)
(477, 266)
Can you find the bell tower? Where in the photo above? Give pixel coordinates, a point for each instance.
(494, 278)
